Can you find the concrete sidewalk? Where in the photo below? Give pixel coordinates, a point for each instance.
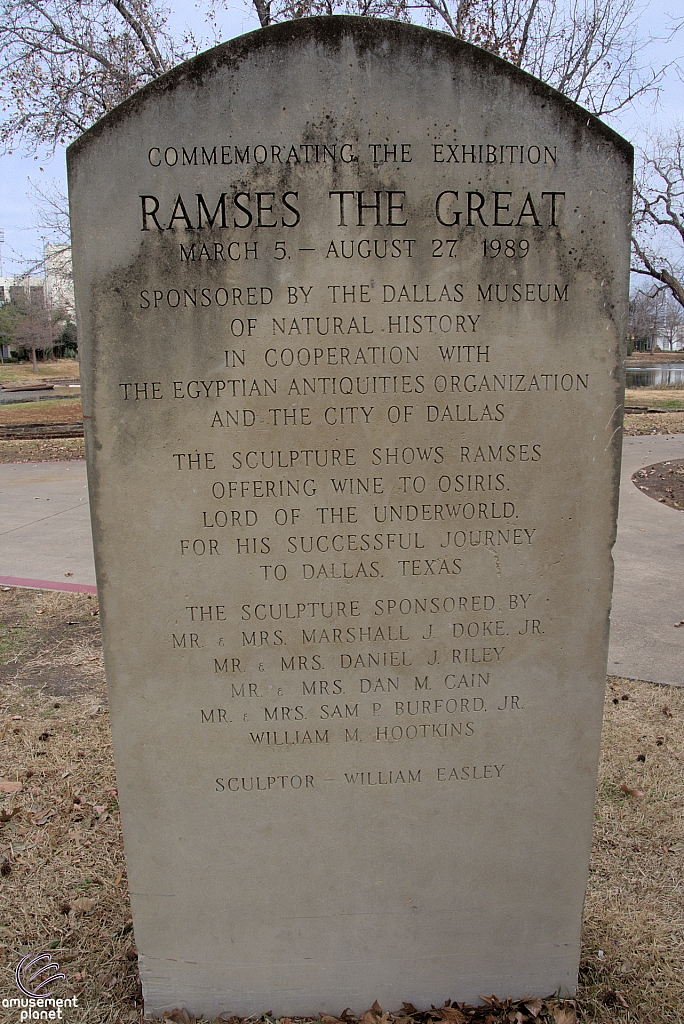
(45, 542)
(45, 537)
(648, 593)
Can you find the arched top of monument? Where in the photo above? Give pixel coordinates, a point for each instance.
(375, 37)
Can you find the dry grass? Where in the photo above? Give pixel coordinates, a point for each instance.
(654, 358)
(42, 450)
(22, 373)
(670, 421)
(58, 410)
(640, 423)
(62, 872)
(666, 397)
(634, 911)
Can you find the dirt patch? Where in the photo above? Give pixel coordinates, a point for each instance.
(62, 871)
(663, 481)
(50, 642)
(58, 410)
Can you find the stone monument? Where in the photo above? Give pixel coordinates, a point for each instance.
(351, 303)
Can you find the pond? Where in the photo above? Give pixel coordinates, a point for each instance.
(651, 376)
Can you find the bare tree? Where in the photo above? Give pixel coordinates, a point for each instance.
(643, 321)
(590, 50)
(65, 63)
(658, 238)
(51, 217)
(656, 319)
(35, 326)
(51, 206)
(671, 323)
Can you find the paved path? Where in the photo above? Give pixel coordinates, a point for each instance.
(648, 593)
(45, 536)
(45, 542)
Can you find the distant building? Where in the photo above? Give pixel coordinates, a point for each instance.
(670, 341)
(58, 278)
(22, 290)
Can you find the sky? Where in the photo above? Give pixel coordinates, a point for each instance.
(23, 243)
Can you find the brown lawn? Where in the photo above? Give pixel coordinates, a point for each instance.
(58, 410)
(63, 876)
(18, 373)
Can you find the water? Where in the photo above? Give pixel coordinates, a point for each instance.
(649, 376)
(13, 397)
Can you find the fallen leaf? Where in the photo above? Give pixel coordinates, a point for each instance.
(42, 820)
(99, 808)
(84, 904)
(6, 815)
(450, 1013)
(179, 1017)
(679, 623)
(534, 1006)
(563, 1015)
(118, 879)
(635, 793)
(10, 787)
